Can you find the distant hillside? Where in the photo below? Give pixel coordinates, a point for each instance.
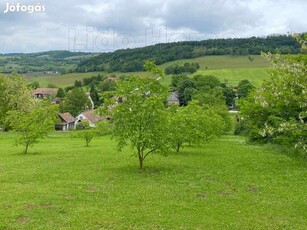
(130, 60)
(56, 61)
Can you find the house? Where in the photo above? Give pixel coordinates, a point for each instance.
(67, 122)
(44, 93)
(89, 116)
(173, 98)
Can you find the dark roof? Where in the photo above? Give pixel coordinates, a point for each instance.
(45, 91)
(67, 117)
(91, 116)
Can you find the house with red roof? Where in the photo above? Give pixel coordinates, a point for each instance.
(66, 122)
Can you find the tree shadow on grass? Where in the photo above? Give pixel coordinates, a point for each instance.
(191, 151)
(30, 153)
(147, 170)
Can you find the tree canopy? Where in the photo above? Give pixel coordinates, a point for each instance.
(33, 125)
(277, 112)
(75, 102)
(15, 95)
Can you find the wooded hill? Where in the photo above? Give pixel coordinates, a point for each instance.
(130, 60)
(60, 61)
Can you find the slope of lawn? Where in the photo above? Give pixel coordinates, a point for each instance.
(225, 184)
(234, 75)
(230, 69)
(224, 62)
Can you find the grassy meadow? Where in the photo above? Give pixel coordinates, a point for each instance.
(229, 69)
(226, 184)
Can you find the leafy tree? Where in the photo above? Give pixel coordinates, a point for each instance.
(244, 88)
(78, 83)
(84, 131)
(230, 95)
(87, 133)
(140, 119)
(180, 69)
(95, 97)
(34, 85)
(211, 97)
(60, 93)
(75, 102)
(194, 124)
(107, 85)
(177, 80)
(185, 92)
(277, 111)
(34, 125)
(178, 131)
(14, 96)
(206, 81)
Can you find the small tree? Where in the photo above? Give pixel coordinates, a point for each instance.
(194, 124)
(60, 93)
(140, 119)
(87, 133)
(32, 126)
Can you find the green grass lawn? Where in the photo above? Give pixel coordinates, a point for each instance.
(225, 184)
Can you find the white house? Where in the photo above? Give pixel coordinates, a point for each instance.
(89, 116)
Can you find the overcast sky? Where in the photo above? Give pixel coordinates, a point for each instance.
(107, 25)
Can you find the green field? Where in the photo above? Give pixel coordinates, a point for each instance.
(224, 62)
(226, 184)
(230, 69)
(233, 76)
(61, 80)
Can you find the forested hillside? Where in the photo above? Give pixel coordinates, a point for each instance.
(59, 61)
(130, 60)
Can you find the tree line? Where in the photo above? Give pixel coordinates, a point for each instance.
(131, 60)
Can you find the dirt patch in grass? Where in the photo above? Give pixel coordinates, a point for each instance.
(23, 219)
(202, 196)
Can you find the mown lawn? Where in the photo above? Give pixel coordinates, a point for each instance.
(226, 184)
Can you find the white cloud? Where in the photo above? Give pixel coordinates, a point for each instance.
(105, 25)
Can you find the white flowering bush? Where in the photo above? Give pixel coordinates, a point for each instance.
(277, 112)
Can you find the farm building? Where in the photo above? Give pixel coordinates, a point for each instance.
(67, 122)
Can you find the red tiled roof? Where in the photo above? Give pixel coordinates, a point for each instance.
(91, 116)
(67, 117)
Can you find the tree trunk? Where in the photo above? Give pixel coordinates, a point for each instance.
(141, 158)
(26, 149)
(141, 162)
